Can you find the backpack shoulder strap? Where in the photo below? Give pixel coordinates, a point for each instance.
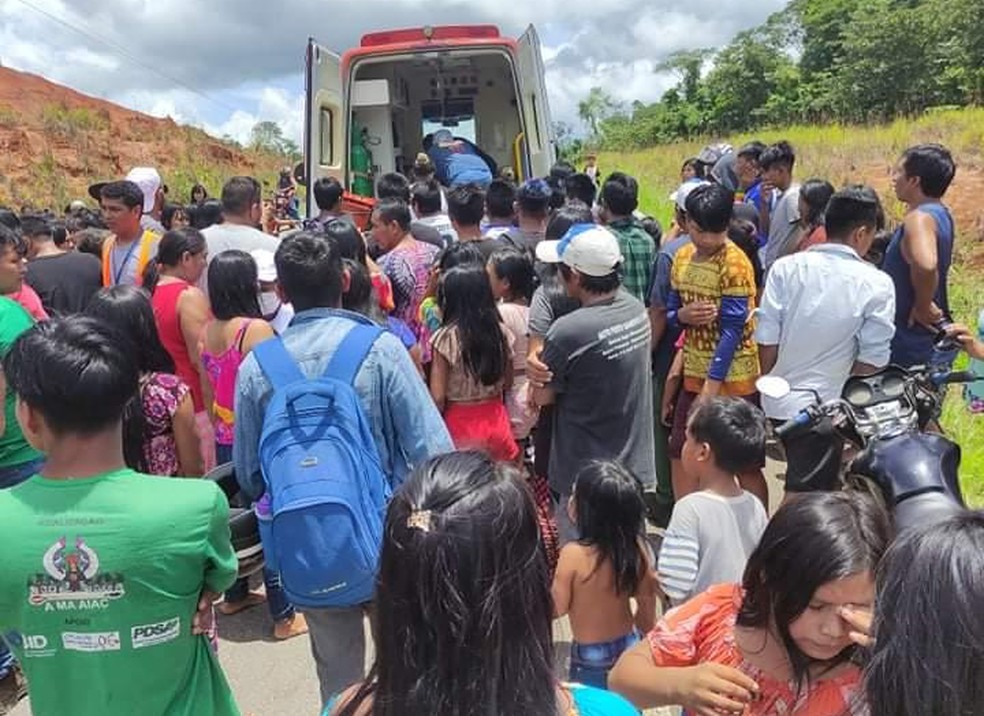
(276, 363)
(351, 352)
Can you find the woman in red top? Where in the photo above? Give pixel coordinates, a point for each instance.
(181, 311)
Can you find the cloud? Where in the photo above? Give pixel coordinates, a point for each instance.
(273, 104)
(224, 64)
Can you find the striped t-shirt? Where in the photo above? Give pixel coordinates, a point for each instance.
(708, 542)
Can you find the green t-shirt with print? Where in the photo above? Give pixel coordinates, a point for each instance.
(14, 449)
(101, 578)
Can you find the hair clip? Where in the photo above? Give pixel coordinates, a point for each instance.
(420, 519)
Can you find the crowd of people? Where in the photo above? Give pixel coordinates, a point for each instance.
(461, 421)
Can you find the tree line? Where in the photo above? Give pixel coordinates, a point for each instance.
(815, 61)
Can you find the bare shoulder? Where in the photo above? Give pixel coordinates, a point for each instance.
(575, 556)
(194, 296)
(917, 224)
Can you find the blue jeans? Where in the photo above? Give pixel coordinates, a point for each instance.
(590, 663)
(223, 454)
(10, 477)
(280, 608)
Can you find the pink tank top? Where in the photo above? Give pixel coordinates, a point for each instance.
(222, 370)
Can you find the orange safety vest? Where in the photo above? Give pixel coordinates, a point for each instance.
(147, 241)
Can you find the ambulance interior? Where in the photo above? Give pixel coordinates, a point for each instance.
(396, 101)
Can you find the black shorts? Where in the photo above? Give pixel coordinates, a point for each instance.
(813, 458)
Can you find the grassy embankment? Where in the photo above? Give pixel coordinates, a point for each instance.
(845, 154)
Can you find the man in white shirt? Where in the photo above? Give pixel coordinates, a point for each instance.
(241, 211)
(826, 314)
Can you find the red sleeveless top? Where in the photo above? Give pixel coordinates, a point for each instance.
(165, 303)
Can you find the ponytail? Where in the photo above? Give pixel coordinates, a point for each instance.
(151, 275)
(174, 244)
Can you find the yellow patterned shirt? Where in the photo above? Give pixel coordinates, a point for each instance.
(726, 274)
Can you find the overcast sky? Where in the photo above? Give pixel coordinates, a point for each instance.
(226, 64)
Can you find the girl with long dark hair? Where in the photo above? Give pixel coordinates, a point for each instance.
(928, 654)
(513, 281)
(778, 642)
(471, 367)
(459, 254)
(181, 311)
(159, 426)
(228, 338)
(226, 341)
(463, 605)
(600, 573)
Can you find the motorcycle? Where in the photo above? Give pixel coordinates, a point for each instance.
(243, 524)
(885, 416)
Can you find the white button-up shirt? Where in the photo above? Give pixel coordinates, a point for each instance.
(825, 308)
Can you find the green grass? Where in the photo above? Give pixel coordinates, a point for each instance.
(837, 152)
(967, 299)
(9, 119)
(71, 122)
(843, 154)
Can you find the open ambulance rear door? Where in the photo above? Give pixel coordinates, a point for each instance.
(325, 150)
(536, 108)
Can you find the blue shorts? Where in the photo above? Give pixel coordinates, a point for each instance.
(590, 663)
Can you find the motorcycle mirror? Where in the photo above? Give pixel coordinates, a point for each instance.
(772, 386)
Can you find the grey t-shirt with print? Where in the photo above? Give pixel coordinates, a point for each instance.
(600, 359)
(784, 227)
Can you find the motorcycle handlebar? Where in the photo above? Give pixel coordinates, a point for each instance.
(813, 414)
(963, 376)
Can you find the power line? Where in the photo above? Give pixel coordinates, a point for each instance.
(126, 54)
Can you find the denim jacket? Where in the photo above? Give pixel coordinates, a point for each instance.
(404, 421)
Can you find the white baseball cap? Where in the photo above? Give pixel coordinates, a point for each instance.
(149, 182)
(266, 267)
(679, 197)
(587, 248)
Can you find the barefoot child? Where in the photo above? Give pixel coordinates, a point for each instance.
(713, 531)
(778, 643)
(599, 574)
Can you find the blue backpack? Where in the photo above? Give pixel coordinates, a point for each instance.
(322, 469)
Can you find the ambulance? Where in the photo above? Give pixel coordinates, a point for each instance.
(369, 109)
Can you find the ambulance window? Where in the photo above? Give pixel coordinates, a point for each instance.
(327, 152)
(465, 129)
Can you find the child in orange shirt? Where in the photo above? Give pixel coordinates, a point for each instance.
(778, 643)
